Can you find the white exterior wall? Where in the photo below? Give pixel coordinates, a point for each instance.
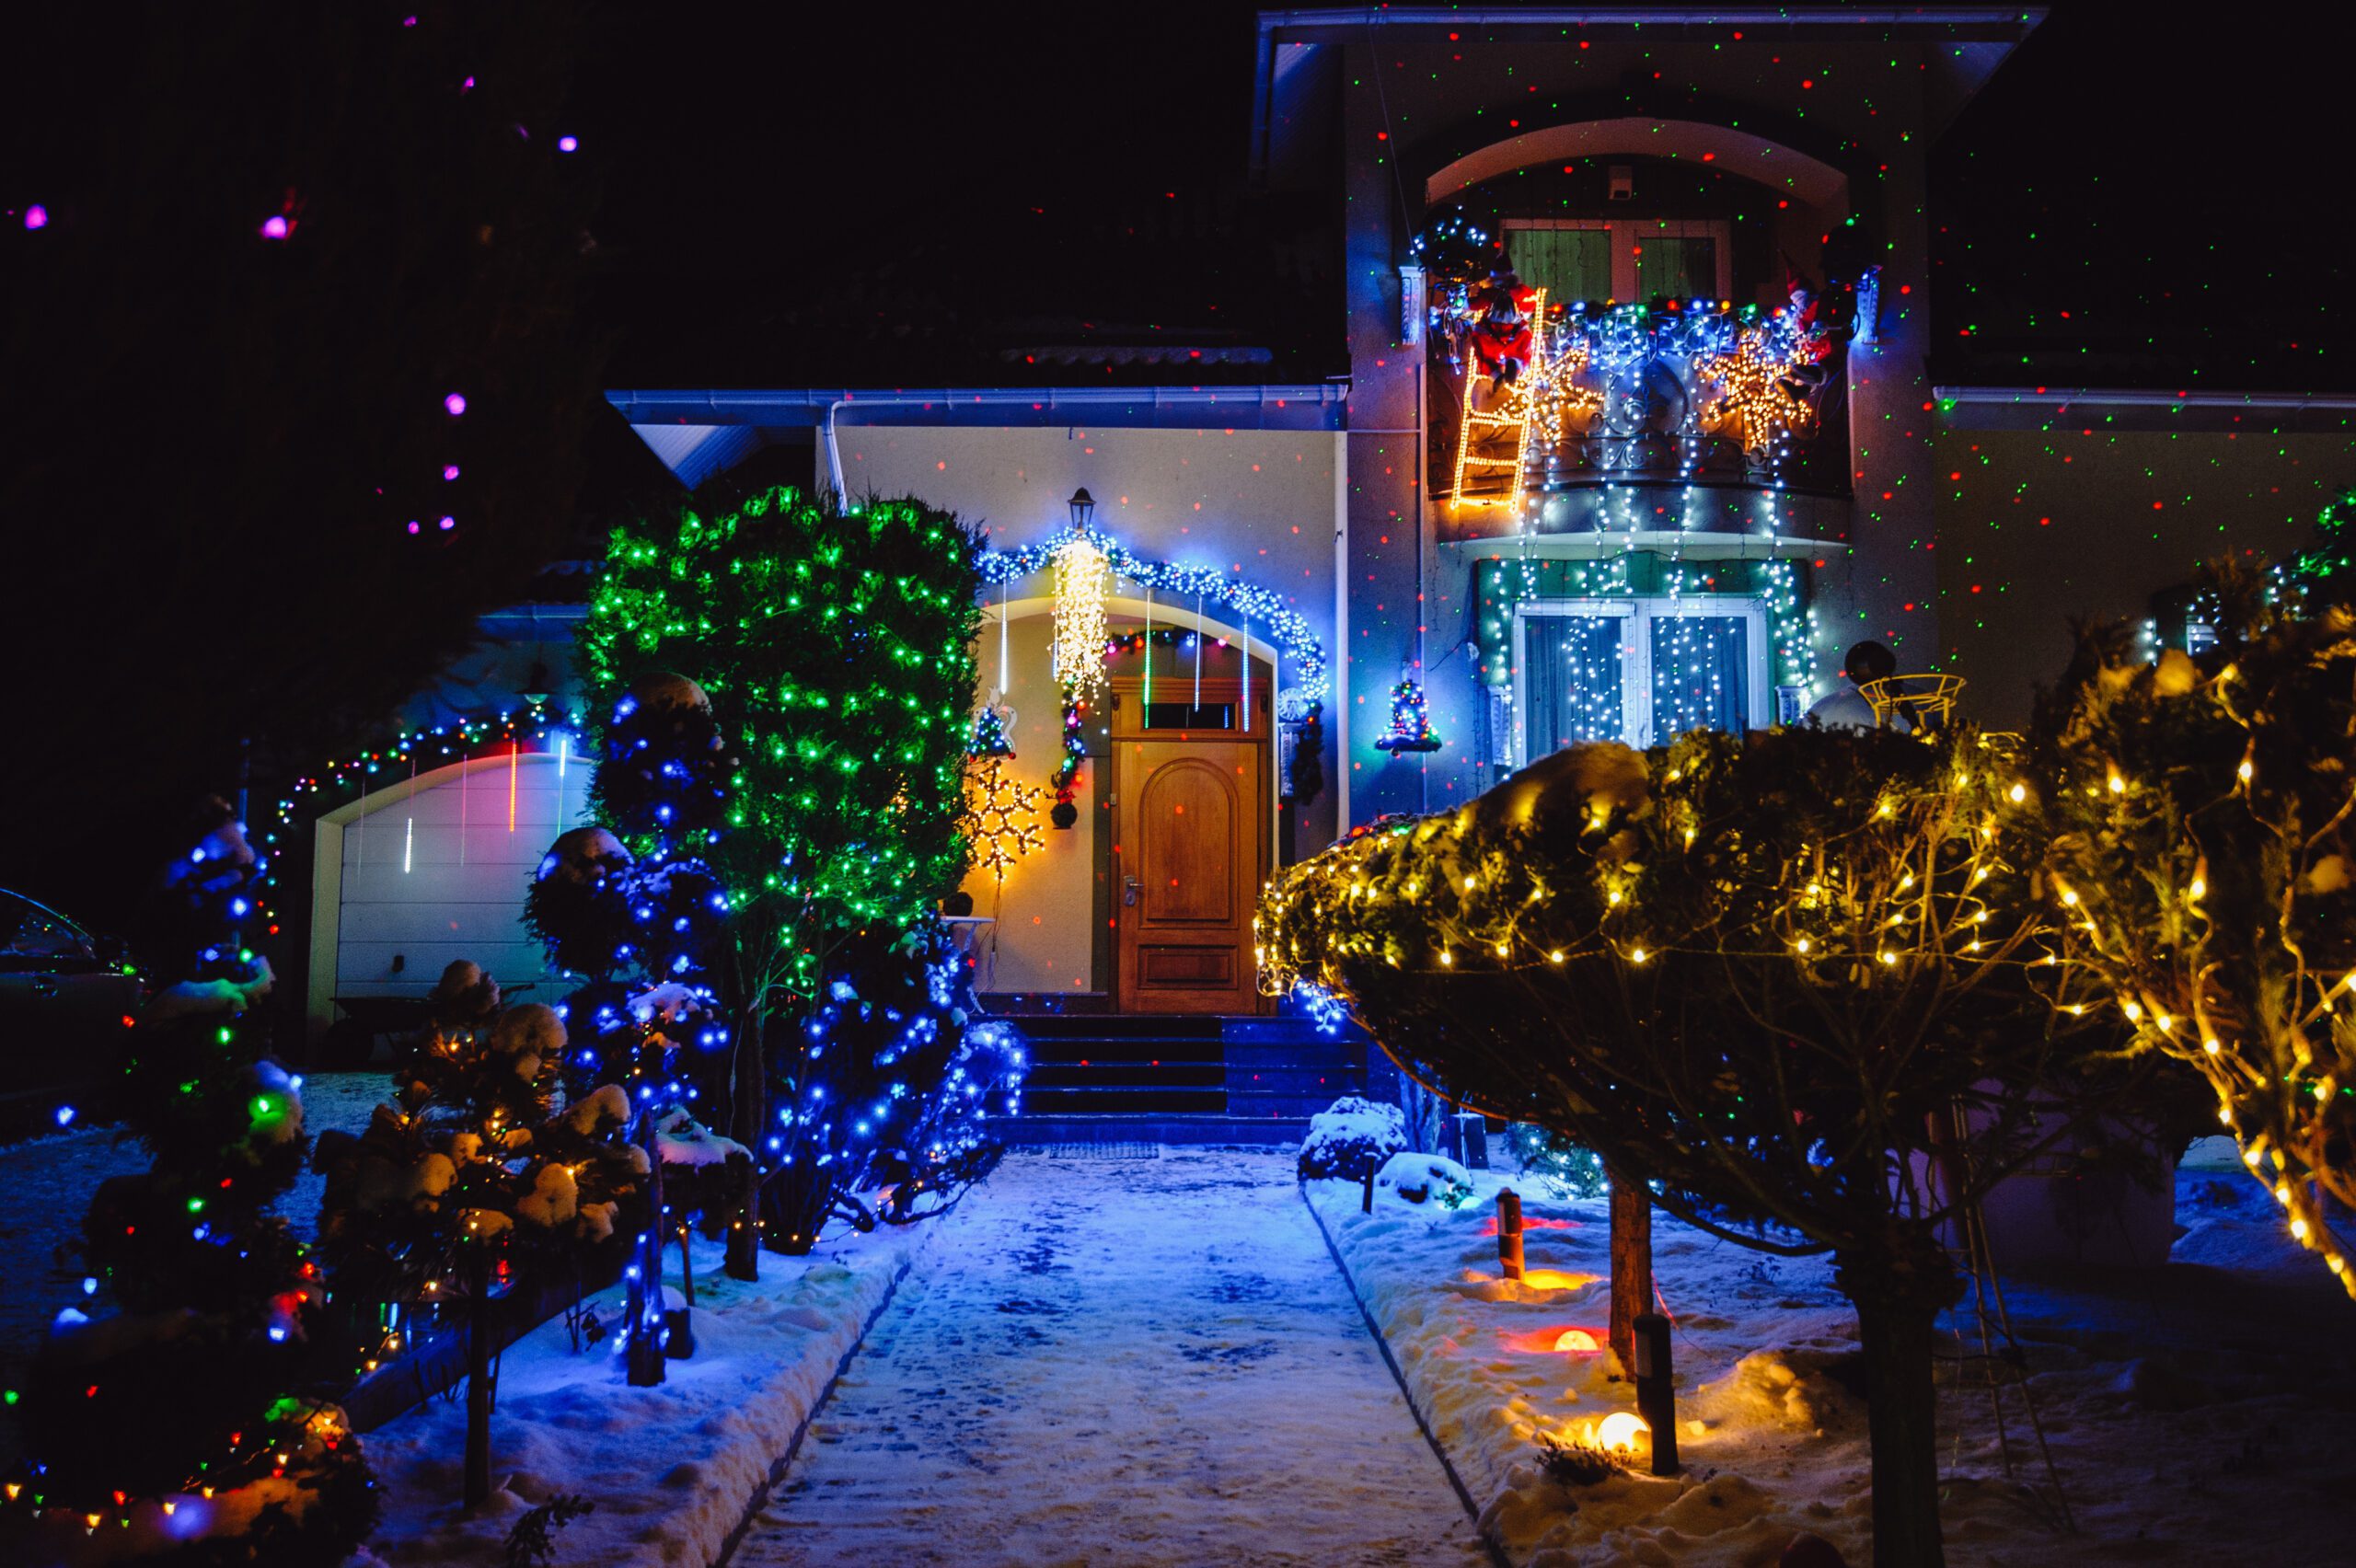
(1042, 940)
(1259, 505)
(439, 873)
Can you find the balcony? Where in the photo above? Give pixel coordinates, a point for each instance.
(1701, 395)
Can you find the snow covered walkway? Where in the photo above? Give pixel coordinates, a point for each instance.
(1119, 1361)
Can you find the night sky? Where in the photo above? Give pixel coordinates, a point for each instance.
(2149, 199)
(854, 197)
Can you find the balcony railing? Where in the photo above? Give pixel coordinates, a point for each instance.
(1657, 393)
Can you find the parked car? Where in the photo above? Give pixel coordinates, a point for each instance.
(64, 995)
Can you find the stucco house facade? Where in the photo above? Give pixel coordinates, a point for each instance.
(1630, 425)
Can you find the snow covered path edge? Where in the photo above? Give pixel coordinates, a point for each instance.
(784, 1461)
(1382, 1343)
(677, 1471)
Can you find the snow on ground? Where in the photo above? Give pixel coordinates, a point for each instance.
(1120, 1361)
(671, 1468)
(51, 1180)
(2194, 1412)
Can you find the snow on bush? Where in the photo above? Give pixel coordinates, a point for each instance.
(680, 1139)
(1424, 1177)
(1351, 1137)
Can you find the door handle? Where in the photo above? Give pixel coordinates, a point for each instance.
(1129, 891)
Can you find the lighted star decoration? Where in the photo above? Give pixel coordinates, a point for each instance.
(1081, 574)
(1001, 820)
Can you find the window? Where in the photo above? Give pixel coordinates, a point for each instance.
(1189, 716)
(1642, 671)
(1627, 258)
(1568, 263)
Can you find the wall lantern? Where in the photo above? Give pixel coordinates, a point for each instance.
(1083, 507)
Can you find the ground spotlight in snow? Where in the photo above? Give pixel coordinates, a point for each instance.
(1552, 1339)
(1617, 1432)
(1557, 1279)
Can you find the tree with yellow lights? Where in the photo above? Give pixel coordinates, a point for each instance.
(1801, 985)
(2203, 817)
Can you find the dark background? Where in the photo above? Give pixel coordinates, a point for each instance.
(2165, 177)
(208, 442)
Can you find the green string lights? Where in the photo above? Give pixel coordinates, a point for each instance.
(845, 684)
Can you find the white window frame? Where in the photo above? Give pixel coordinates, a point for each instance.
(1628, 233)
(1636, 659)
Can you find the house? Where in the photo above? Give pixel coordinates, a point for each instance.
(1627, 420)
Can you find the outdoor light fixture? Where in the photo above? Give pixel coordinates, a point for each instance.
(1618, 1432)
(1083, 507)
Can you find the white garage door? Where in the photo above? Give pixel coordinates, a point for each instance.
(428, 872)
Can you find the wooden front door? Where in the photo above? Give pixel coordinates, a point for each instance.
(1186, 868)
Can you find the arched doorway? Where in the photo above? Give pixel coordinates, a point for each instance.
(1092, 917)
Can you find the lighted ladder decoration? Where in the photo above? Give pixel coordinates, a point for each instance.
(1513, 415)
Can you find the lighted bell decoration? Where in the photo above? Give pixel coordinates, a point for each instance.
(1083, 507)
(1411, 725)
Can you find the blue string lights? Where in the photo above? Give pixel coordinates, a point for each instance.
(1304, 655)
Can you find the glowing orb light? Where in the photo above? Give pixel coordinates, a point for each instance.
(1577, 1339)
(1618, 1432)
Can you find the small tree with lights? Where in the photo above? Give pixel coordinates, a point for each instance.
(787, 689)
(2202, 824)
(472, 1183)
(190, 1421)
(1799, 985)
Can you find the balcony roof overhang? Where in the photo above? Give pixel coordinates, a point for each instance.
(1983, 36)
(2143, 409)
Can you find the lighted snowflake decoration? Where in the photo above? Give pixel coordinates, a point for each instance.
(1001, 819)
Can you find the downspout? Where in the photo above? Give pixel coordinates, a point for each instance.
(834, 454)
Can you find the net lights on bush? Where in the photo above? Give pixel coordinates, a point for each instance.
(2202, 853)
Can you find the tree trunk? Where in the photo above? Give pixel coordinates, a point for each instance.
(748, 1118)
(1632, 1264)
(478, 1390)
(644, 1356)
(1896, 1333)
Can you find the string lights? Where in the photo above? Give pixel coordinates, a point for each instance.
(1287, 630)
(1080, 582)
(1001, 820)
(2201, 841)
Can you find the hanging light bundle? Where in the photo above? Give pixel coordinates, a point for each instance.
(1081, 579)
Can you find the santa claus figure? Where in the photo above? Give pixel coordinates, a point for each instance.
(1504, 331)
